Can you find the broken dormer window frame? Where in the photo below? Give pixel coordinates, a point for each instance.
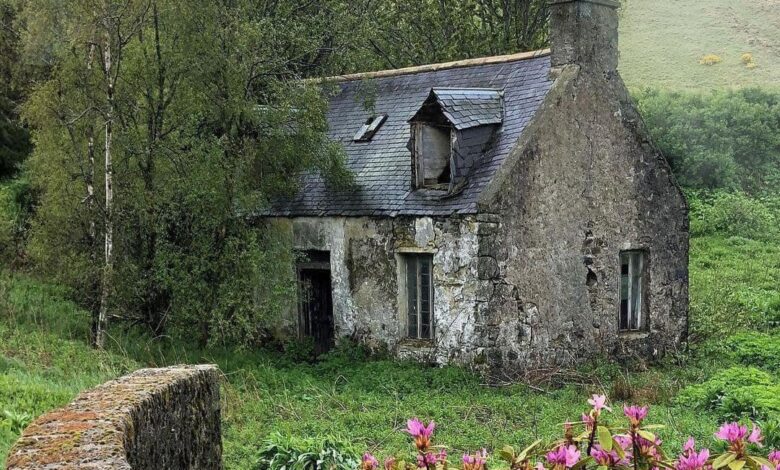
(419, 152)
(370, 128)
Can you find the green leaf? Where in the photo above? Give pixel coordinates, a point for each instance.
(647, 435)
(582, 463)
(605, 438)
(736, 464)
(507, 453)
(724, 460)
(654, 426)
(602, 467)
(524, 454)
(615, 445)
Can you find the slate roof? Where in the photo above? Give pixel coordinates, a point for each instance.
(383, 166)
(469, 107)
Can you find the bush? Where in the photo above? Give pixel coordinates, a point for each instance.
(754, 401)
(756, 349)
(732, 214)
(15, 207)
(288, 453)
(711, 394)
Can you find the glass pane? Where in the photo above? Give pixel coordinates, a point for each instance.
(624, 284)
(636, 291)
(425, 297)
(411, 292)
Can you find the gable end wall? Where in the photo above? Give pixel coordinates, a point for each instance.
(584, 183)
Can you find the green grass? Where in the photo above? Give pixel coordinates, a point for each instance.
(663, 40)
(45, 361)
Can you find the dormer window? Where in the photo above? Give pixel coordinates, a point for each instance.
(432, 155)
(450, 132)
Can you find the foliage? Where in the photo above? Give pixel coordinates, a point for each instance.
(710, 59)
(285, 452)
(734, 214)
(756, 349)
(14, 137)
(727, 390)
(16, 202)
(724, 139)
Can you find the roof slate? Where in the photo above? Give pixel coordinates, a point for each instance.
(468, 107)
(383, 166)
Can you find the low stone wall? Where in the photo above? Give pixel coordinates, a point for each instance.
(151, 419)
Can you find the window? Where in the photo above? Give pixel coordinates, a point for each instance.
(372, 125)
(432, 151)
(632, 270)
(419, 295)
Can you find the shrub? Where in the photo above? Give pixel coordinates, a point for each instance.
(747, 58)
(732, 214)
(753, 401)
(711, 394)
(710, 59)
(289, 453)
(756, 349)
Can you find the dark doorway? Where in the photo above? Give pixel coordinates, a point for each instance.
(315, 302)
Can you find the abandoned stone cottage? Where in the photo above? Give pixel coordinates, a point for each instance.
(509, 211)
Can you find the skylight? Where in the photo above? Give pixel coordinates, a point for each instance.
(370, 128)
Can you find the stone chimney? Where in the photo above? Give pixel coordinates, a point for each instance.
(585, 33)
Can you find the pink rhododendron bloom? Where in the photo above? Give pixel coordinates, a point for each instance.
(441, 457)
(390, 463)
(564, 456)
(690, 445)
(648, 448)
(774, 457)
(693, 460)
(598, 402)
(426, 460)
(476, 461)
(623, 441)
(635, 414)
(588, 420)
(369, 462)
(606, 458)
(421, 433)
(755, 436)
(540, 466)
(731, 432)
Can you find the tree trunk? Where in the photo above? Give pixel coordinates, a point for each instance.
(102, 323)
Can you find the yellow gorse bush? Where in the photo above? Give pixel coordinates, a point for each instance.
(710, 59)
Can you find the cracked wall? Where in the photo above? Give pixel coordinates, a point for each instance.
(365, 262)
(583, 184)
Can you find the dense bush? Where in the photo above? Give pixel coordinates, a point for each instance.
(289, 453)
(726, 139)
(734, 393)
(756, 349)
(15, 208)
(733, 214)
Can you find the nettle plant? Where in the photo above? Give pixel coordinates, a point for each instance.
(593, 444)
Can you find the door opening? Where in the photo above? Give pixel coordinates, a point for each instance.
(315, 300)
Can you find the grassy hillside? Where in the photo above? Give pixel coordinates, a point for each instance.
(662, 42)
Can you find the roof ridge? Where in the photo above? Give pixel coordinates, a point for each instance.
(498, 59)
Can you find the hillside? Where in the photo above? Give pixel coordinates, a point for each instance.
(662, 42)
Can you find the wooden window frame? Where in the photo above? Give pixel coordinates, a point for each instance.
(418, 159)
(633, 284)
(413, 298)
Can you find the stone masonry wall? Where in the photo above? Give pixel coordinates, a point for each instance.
(151, 419)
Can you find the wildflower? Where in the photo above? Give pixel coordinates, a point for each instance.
(731, 432)
(690, 446)
(369, 462)
(774, 457)
(539, 466)
(635, 414)
(649, 448)
(606, 458)
(755, 436)
(426, 460)
(693, 460)
(421, 433)
(624, 442)
(588, 420)
(476, 461)
(564, 456)
(390, 463)
(598, 402)
(441, 457)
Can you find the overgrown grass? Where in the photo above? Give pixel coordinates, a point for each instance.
(45, 361)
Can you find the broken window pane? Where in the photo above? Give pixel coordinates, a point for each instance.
(371, 126)
(632, 269)
(419, 289)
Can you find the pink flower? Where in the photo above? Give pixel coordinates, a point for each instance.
(441, 457)
(690, 445)
(731, 432)
(755, 436)
(390, 463)
(369, 462)
(566, 456)
(693, 460)
(774, 457)
(476, 461)
(539, 466)
(588, 420)
(426, 460)
(598, 402)
(421, 433)
(635, 414)
(606, 458)
(623, 441)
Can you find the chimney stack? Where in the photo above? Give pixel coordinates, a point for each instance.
(585, 33)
